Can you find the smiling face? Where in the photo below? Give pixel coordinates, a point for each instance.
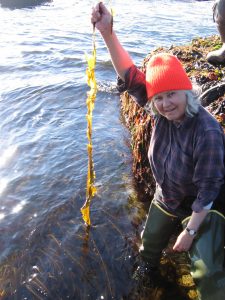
(171, 104)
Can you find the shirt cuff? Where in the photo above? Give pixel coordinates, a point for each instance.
(134, 84)
(204, 200)
(207, 207)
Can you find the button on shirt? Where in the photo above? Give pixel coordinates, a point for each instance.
(187, 158)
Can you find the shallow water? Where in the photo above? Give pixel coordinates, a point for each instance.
(45, 250)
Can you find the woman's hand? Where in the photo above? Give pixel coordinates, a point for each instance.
(183, 242)
(101, 18)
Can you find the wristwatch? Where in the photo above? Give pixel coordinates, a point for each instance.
(191, 232)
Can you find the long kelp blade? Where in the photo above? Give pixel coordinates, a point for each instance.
(91, 81)
(91, 96)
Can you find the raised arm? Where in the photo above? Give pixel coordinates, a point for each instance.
(102, 19)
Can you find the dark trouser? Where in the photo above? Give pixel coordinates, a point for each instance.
(206, 254)
(219, 17)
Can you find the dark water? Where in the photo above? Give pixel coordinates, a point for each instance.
(45, 250)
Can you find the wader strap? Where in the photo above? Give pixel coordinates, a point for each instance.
(163, 210)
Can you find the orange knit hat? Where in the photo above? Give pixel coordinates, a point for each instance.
(165, 73)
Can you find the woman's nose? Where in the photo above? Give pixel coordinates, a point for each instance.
(166, 102)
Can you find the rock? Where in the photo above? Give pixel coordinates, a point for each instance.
(13, 4)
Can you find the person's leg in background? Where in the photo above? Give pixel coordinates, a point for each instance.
(207, 257)
(218, 56)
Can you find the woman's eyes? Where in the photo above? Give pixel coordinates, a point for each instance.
(170, 94)
(158, 99)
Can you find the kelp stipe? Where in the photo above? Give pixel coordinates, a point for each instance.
(91, 81)
(91, 96)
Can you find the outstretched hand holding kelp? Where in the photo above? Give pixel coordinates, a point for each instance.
(102, 20)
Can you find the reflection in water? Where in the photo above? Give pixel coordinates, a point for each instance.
(7, 154)
(18, 207)
(3, 184)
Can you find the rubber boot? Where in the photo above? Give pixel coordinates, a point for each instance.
(207, 258)
(159, 227)
(218, 56)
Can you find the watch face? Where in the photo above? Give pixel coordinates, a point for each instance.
(191, 231)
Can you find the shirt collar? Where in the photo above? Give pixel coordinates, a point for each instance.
(185, 123)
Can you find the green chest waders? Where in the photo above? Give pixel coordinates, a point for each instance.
(206, 253)
(207, 257)
(159, 227)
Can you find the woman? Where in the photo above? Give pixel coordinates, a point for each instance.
(186, 155)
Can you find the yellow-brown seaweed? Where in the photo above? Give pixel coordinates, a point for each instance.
(91, 81)
(91, 96)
